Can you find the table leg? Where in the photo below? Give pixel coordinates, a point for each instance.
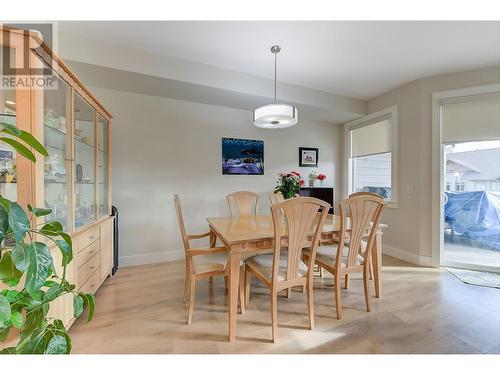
(234, 279)
(377, 263)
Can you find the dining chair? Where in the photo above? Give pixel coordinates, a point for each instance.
(276, 198)
(243, 203)
(201, 263)
(294, 220)
(352, 253)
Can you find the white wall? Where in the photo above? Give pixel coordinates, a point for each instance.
(162, 146)
(409, 232)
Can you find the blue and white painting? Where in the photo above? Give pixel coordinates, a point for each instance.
(242, 156)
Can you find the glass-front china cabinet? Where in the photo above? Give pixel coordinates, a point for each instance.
(74, 180)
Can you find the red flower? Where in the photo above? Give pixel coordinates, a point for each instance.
(301, 182)
(321, 176)
(296, 173)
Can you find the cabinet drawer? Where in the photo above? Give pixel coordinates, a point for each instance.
(83, 256)
(92, 283)
(85, 271)
(85, 239)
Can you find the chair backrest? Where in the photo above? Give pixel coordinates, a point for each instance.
(243, 203)
(294, 220)
(364, 210)
(276, 198)
(180, 219)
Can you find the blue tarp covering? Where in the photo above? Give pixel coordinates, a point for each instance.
(476, 215)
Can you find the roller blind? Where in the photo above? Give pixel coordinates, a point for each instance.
(371, 139)
(472, 120)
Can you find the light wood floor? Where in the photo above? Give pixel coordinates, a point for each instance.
(422, 310)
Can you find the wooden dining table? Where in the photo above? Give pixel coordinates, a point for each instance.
(245, 235)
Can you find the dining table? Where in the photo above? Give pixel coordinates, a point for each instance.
(246, 235)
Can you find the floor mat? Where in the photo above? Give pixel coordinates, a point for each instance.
(488, 279)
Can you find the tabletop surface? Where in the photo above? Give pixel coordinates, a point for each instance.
(253, 228)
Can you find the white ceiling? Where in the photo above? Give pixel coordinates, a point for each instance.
(355, 58)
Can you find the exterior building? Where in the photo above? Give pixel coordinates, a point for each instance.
(476, 170)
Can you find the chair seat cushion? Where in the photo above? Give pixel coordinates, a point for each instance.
(263, 263)
(327, 254)
(209, 263)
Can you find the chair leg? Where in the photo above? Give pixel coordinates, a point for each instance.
(242, 290)
(248, 276)
(289, 293)
(371, 271)
(310, 302)
(338, 303)
(186, 284)
(366, 286)
(191, 298)
(211, 279)
(274, 314)
(226, 281)
(346, 285)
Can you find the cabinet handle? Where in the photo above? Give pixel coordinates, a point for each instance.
(93, 285)
(91, 238)
(91, 252)
(91, 267)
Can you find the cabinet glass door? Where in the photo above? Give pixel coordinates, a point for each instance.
(103, 208)
(8, 173)
(56, 115)
(84, 140)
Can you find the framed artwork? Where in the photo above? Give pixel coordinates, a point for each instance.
(242, 156)
(308, 157)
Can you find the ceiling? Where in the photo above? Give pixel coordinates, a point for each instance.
(360, 59)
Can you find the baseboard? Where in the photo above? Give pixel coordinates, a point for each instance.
(150, 258)
(407, 256)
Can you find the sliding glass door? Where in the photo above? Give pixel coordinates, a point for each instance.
(470, 128)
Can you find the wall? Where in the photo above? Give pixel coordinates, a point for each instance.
(409, 232)
(163, 146)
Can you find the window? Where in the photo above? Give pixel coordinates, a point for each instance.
(459, 186)
(372, 154)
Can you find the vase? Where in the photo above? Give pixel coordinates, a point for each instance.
(311, 183)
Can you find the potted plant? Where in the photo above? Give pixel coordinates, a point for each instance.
(289, 184)
(24, 251)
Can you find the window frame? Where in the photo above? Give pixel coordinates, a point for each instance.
(391, 114)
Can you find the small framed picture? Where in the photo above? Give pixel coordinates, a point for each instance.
(308, 157)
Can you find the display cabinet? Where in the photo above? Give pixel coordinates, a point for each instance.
(74, 180)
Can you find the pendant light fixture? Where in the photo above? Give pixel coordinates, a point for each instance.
(276, 115)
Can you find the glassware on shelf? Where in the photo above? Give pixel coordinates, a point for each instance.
(55, 112)
(84, 169)
(8, 111)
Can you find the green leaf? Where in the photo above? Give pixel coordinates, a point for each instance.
(90, 302)
(10, 129)
(53, 292)
(77, 305)
(9, 350)
(4, 332)
(13, 296)
(39, 267)
(52, 226)
(35, 319)
(5, 312)
(9, 274)
(38, 212)
(18, 221)
(33, 142)
(20, 148)
(17, 319)
(20, 257)
(4, 222)
(67, 254)
(57, 345)
(5, 203)
(50, 283)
